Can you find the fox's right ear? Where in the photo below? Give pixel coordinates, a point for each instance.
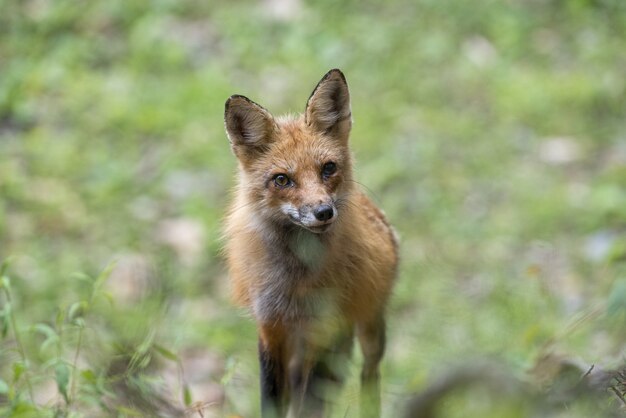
(249, 126)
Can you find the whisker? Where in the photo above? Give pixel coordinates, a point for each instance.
(369, 190)
(343, 203)
(245, 205)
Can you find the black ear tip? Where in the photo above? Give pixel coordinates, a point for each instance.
(335, 74)
(236, 99)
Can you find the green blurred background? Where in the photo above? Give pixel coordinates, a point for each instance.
(492, 133)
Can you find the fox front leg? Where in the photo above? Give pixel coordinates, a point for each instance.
(372, 340)
(272, 381)
(303, 403)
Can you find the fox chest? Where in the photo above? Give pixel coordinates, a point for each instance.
(291, 286)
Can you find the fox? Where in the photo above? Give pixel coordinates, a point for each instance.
(309, 255)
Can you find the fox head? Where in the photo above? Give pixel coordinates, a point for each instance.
(295, 170)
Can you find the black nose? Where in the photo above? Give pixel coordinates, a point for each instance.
(323, 212)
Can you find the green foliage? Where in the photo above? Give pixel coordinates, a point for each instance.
(62, 373)
(491, 133)
(59, 350)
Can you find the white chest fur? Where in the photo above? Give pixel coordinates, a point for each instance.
(308, 248)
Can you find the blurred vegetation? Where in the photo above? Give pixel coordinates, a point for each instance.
(492, 132)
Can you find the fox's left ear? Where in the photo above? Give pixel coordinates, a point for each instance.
(328, 108)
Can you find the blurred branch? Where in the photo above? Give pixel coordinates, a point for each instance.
(570, 383)
(485, 373)
(619, 387)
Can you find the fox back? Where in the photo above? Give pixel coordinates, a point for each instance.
(308, 253)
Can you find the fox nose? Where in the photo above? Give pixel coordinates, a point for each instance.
(323, 212)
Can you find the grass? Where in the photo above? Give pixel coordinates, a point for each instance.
(491, 133)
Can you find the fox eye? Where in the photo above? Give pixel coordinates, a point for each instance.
(329, 169)
(281, 180)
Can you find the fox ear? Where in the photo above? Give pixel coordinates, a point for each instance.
(248, 125)
(328, 108)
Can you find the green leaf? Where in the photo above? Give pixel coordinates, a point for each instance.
(5, 283)
(616, 303)
(51, 335)
(129, 411)
(46, 330)
(18, 370)
(146, 343)
(231, 366)
(60, 318)
(187, 395)
(89, 376)
(47, 343)
(82, 277)
(166, 353)
(144, 362)
(103, 276)
(76, 310)
(24, 409)
(4, 387)
(4, 320)
(62, 375)
(108, 297)
(3, 267)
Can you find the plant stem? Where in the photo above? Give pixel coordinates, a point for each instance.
(74, 371)
(20, 346)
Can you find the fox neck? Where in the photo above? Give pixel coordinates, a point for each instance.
(290, 288)
(308, 247)
(292, 245)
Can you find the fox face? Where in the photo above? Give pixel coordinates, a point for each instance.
(296, 171)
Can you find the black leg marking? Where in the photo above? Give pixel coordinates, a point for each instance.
(273, 396)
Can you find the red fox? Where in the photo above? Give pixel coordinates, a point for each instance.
(310, 256)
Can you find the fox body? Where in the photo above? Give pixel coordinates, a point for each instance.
(308, 253)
